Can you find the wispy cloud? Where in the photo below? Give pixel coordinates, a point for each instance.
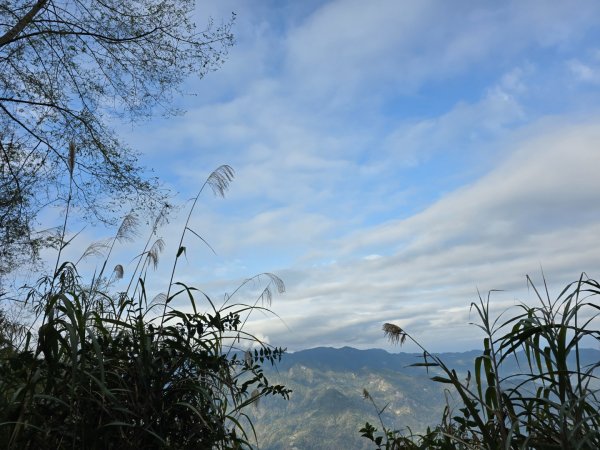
(391, 159)
(535, 210)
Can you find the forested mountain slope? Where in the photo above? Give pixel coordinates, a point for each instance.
(326, 408)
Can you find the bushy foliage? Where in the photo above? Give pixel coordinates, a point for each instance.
(552, 403)
(68, 70)
(97, 369)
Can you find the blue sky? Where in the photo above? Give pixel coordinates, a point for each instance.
(391, 157)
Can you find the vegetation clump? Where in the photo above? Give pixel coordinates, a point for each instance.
(97, 369)
(552, 402)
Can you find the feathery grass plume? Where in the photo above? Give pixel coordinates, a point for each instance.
(220, 179)
(366, 394)
(267, 293)
(71, 158)
(155, 251)
(126, 232)
(255, 398)
(94, 249)
(394, 333)
(159, 299)
(128, 229)
(161, 219)
(118, 271)
(369, 430)
(277, 281)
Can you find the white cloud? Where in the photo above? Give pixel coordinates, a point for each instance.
(464, 126)
(345, 54)
(537, 209)
(310, 112)
(584, 72)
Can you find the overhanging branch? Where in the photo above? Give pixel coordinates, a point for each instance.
(11, 34)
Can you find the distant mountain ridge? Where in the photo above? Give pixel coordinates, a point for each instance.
(349, 358)
(355, 359)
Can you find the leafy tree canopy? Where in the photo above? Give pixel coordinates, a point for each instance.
(68, 67)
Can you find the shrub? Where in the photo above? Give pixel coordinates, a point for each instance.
(121, 370)
(550, 403)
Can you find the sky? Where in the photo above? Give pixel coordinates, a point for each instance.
(392, 159)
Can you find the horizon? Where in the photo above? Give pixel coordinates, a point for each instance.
(390, 163)
(400, 351)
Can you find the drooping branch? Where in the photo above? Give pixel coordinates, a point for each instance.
(85, 33)
(67, 68)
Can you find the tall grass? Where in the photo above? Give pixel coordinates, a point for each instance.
(551, 403)
(99, 369)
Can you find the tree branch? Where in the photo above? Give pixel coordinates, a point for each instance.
(101, 37)
(11, 34)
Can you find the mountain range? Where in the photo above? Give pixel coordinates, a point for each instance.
(327, 408)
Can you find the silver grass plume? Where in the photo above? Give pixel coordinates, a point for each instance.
(366, 394)
(128, 229)
(94, 249)
(162, 217)
(118, 271)
(255, 398)
(394, 333)
(155, 251)
(220, 179)
(267, 293)
(159, 299)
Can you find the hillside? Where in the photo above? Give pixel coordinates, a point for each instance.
(326, 408)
